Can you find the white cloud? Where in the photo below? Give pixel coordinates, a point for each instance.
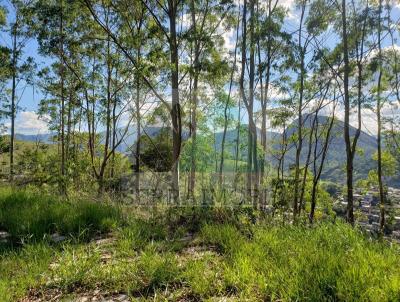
(186, 20)
(290, 6)
(28, 122)
(388, 49)
(229, 36)
(229, 39)
(368, 117)
(395, 3)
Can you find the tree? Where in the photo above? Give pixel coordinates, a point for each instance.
(379, 104)
(346, 99)
(273, 49)
(5, 72)
(301, 48)
(164, 16)
(96, 79)
(19, 70)
(206, 65)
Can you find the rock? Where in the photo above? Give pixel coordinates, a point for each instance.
(105, 241)
(122, 298)
(56, 238)
(188, 237)
(4, 236)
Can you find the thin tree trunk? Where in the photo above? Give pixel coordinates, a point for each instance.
(242, 92)
(379, 137)
(108, 119)
(317, 175)
(62, 110)
(176, 109)
(264, 100)
(349, 156)
(114, 130)
(360, 57)
(138, 135)
(194, 99)
(307, 163)
(69, 125)
(13, 95)
(253, 127)
(237, 149)
(299, 117)
(221, 165)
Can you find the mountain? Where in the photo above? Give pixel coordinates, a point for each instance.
(127, 145)
(46, 138)
(124, 147)
(334, 169)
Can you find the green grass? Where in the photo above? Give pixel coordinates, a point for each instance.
(22, 269)
(190, 255)
(331, 262)
(32, 217)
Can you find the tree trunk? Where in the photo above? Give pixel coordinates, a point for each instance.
(13, 96)
(299, 117)
(264, 98)
(138, 140)
(194, 100)
(108, 119)
(307, 163)
(349, 155)
(253, 127)
(317, 174)
(221, 165)
(379, 137)
(242, 92)
(114, 130)
(176, 109)
(62, 110)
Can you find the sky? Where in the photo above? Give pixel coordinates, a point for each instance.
(28, 122)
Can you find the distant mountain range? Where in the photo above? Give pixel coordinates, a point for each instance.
(335, 160)
(46, 138)
(336, 156)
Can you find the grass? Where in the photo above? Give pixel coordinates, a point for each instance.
(32, 217)
(331, 262)
(191, 255)
(21, 270)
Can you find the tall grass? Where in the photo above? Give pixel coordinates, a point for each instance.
(225, 256)
(330, 262)
(23, 269)
(33, 217)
